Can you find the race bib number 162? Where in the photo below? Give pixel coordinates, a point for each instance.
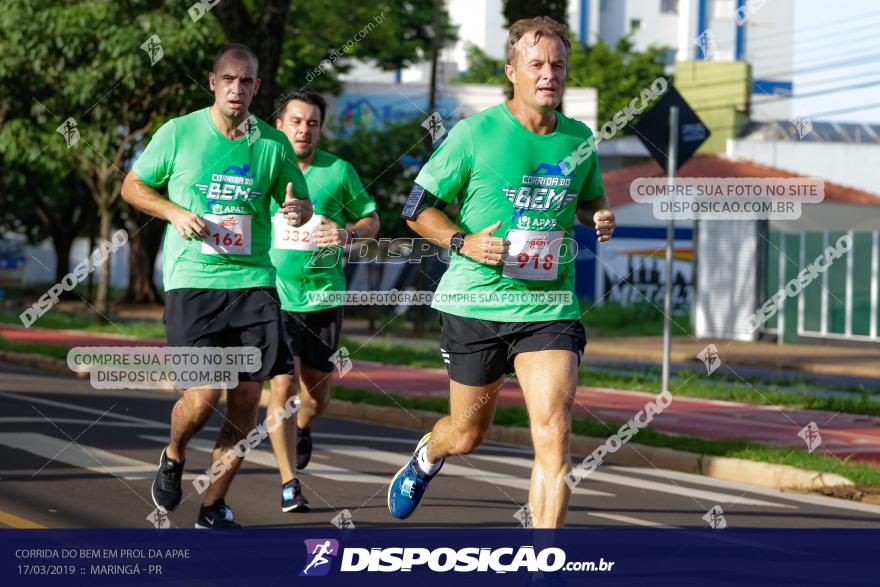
(228, 234)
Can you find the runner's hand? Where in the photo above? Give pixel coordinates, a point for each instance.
(329, 234)
(484, 248)
(297, 212)
(605, 224)
(189, 225)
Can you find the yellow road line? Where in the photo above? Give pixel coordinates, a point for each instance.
(16, 522)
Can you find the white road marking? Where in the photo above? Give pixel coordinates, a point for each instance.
(82, 456)
(74, 407)
(41, 420)
(267, 459)
(637, 483)
(412, 441)
(630, 520)
(811, 499)
(396, 460)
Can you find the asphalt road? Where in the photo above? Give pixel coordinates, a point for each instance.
(73, 456)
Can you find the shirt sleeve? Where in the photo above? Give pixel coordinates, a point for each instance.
(290, 173)
(449, 168)
(356, 201)
(156, 164)
(592, 187)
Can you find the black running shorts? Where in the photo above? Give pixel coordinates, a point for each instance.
(478, 352)
(228, 318)
(311, 336)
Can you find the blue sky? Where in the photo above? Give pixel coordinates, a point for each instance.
(832, 33)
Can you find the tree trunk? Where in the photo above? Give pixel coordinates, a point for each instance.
(93, 239)
(62, 244)
(144, 244)
(102, 303)
(263, 31)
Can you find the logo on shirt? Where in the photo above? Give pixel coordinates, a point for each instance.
(235, 183)
(544, 189)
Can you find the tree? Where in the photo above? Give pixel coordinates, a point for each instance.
(308, 44)
(619, 74)
(40, 205)
(482, 69)
(388, 181)
(100, 77)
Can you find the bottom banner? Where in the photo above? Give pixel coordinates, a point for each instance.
(269, 557)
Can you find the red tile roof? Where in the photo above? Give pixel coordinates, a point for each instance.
(617, 182)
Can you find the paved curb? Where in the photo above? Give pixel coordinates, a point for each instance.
(632, 454)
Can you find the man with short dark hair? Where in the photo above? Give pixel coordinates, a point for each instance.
(308, 261)
(511, 243)
(220, 167)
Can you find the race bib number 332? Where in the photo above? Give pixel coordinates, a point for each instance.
(295, 238)
(228, 234)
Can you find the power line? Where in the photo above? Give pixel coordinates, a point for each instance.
(820, 82)
(858, 60)
(831, 24)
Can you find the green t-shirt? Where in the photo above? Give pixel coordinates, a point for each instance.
(501, 171)
(229, 183)
(338, 195)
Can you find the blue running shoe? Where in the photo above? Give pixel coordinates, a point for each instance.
(409, 485)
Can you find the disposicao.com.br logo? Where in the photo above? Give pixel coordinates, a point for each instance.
(441, 560)
(320, 553)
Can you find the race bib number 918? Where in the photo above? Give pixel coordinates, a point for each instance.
(228, 234)
(533, 254)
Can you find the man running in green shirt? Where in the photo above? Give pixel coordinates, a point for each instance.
(511, 261)
(308, 261)
(220, 167)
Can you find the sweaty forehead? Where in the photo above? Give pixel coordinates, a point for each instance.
(548, 47)
(304, 110)
(238, 66)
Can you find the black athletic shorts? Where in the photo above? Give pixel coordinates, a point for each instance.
(478, 352)
(311, 336)
(228, 318)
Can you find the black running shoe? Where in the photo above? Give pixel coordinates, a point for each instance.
(292, 498)
(166, 490)
(216, 515)
(303, 447)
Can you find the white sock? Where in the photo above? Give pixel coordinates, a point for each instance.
(427, 467)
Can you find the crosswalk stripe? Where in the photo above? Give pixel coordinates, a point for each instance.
(807, 498)
(267, 459)
(79, 455)
(473, 473)
(74, 407)
(81, 421)
(629, 520)
(637, 483)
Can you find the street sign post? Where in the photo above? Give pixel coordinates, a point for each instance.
(674, 124)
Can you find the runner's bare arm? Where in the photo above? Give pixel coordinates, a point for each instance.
(597, 214)
(149, 201)
(481, 246)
